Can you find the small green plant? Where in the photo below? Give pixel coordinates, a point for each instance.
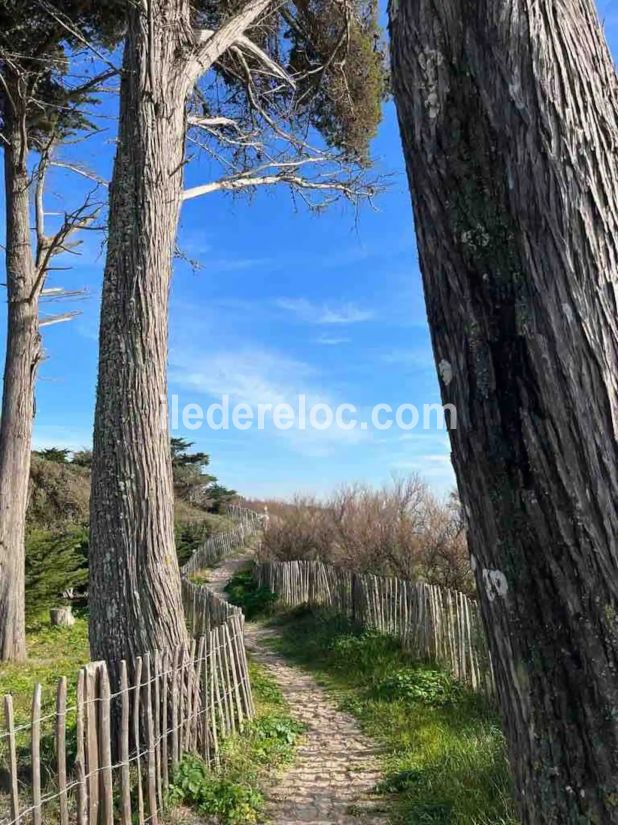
(265, 688)
(255, 601)
(275, 737)
(426, 685)
(200, 578)
(233, 803)
(400, 781)
(431, 813)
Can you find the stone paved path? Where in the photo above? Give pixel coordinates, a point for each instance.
(336, 766)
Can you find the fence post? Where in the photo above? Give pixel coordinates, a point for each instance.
(10, 726)
(105, 751)
(123, 748)
(36, 755)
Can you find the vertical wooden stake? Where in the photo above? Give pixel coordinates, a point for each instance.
(137, 686)
(10, 726)
(157, 724)
(105, 748)
(36, 755)
(61, 749)
(80, 761)
(123, 739)
(165, 716)
(152, 787)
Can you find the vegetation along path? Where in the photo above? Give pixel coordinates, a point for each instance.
(337, 766)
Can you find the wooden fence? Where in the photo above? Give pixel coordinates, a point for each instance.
(222, 544)
(434, 623)
(92, 757)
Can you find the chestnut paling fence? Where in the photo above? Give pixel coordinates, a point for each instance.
(90, 756)
(433, 623)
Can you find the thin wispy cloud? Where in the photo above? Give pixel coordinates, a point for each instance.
(260, 377)
(324, 314)
(252, 376)
(330, 341)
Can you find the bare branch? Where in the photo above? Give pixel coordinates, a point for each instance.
(79, 170)
(275, 69)
(80, 218)
(352, 187)
(48, 320)
(209, 45)
(213, 122)
(58, 293)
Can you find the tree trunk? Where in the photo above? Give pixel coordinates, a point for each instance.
(508, 116)
(23, 353)
(135, 598)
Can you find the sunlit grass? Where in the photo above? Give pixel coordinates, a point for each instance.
(52, 652)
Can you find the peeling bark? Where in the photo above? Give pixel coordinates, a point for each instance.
(508, 116)
(23, 353)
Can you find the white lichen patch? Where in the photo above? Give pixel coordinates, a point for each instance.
(430, 61)
(495, 583)
(446, 371)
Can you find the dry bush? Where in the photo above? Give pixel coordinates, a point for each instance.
(400, 530)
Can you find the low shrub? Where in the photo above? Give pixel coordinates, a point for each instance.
(189, 536)
(274, 737)
(425, 685)
(233, 803)
(243, 591)
(399, 530)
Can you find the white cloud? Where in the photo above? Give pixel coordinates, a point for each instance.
(312, 313)
(253, 376)
(329, 341)
(260, 377)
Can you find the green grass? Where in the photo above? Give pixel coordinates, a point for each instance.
(444, 752)
(233, 794)
(52, 652)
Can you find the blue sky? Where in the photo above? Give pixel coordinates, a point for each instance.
(285, 302)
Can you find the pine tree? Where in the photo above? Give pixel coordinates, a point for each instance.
(509, 120)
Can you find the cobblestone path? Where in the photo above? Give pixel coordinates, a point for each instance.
(336, 766)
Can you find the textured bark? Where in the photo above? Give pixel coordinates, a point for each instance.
(507, 111)
(23, 352)
(135, 599)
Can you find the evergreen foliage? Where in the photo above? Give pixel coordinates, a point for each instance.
(55, 564)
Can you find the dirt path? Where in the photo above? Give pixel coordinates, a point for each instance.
(336, 766)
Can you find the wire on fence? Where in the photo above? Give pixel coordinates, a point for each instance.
(170, 703)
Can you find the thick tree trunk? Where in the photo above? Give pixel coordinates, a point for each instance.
(23, 352)
(135, 599)
(508, 115)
